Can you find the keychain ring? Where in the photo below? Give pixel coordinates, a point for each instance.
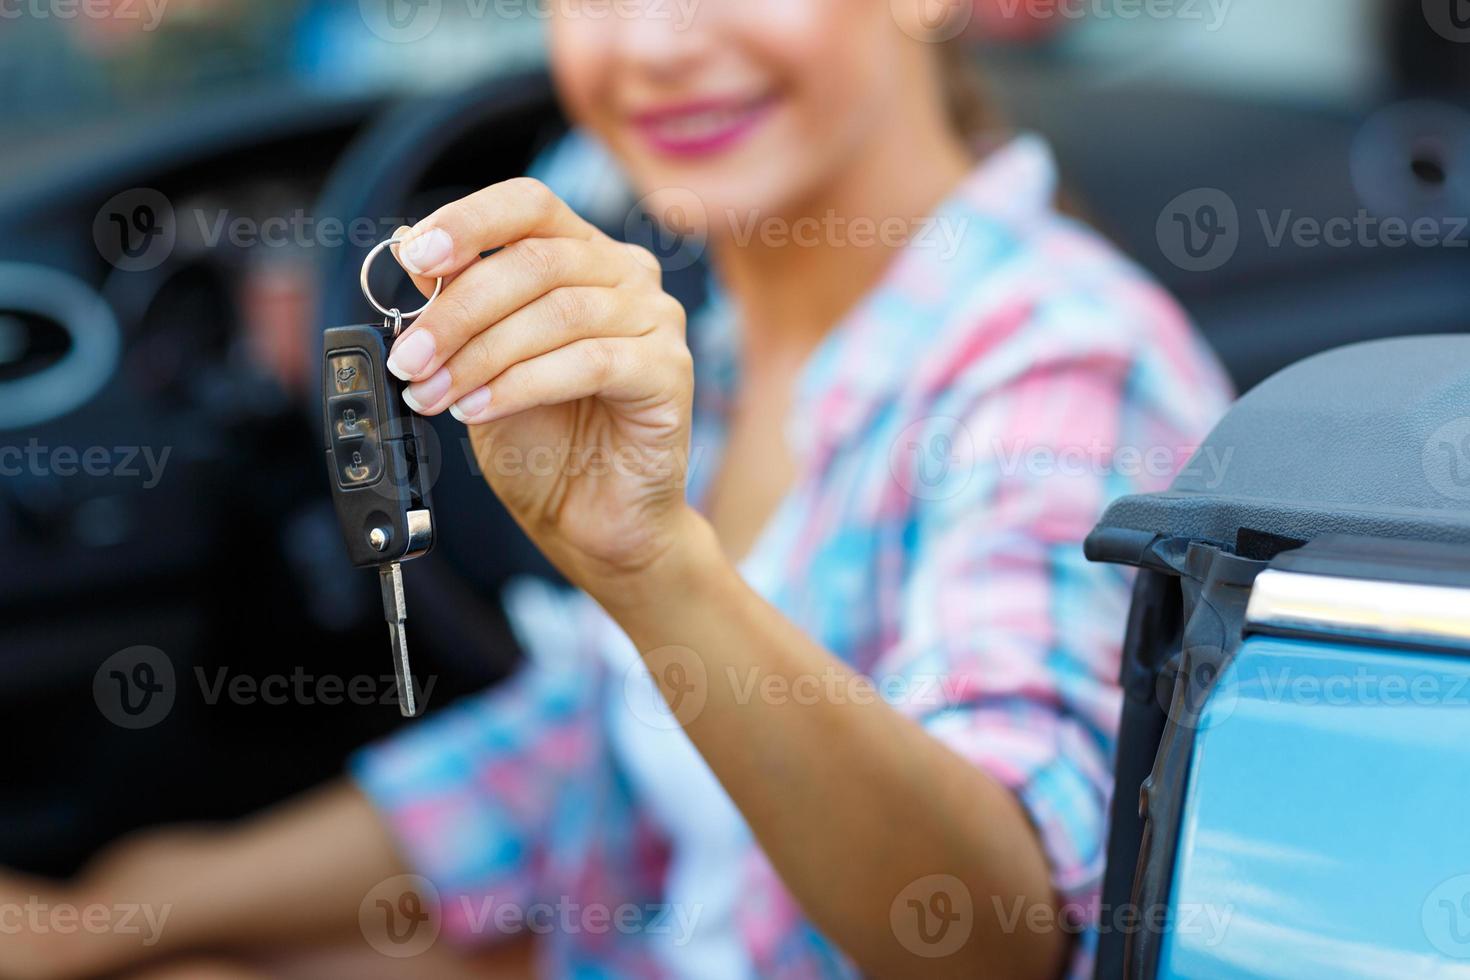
(367, 291)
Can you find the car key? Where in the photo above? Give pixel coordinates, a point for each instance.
(377, 463)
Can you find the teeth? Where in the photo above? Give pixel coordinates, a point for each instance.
(700, 125)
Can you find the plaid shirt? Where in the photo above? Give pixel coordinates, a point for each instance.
(956, 437)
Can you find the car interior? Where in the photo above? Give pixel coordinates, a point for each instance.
(232, 562)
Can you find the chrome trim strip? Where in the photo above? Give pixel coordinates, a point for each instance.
(1365, 608)
(420, 533)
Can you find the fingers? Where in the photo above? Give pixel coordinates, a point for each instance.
(424, 284)
(555, 284)
(615, 368)
(492, 289)
(454, 236)
(565, 316)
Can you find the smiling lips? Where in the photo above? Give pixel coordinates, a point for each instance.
(699, 129)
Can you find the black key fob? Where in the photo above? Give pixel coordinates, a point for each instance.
(375, 450)
(377, 461)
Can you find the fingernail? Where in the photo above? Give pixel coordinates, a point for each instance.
(426, 394)
(424, 254)
(411, 354)
(468, 408)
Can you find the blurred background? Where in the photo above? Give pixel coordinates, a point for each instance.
(187, 188)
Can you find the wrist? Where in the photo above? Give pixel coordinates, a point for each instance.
(689, 566)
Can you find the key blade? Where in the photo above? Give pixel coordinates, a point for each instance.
(395, 611)
(398, 637)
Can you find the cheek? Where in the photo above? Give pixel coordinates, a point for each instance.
(838, 57)
(580, 64)
(839, 88)
(818, 46)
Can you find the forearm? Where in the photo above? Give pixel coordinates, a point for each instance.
(292, 875)
(850, 800)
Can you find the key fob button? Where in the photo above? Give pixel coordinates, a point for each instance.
(359, 462)
(350, 372)
(352, 418)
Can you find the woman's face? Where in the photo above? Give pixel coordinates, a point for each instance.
(750, 105)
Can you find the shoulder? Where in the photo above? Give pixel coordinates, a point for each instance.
(1063, 377)
(1064, 308)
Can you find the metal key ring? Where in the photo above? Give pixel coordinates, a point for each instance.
(367, 265)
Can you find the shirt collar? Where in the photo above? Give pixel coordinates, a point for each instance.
(927, 293)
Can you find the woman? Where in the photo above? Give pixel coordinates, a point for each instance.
(889, 673)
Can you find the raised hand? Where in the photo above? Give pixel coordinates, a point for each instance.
(567, 360)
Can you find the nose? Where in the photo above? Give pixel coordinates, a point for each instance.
(663, 39)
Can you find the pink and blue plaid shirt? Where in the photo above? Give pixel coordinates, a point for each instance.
(957, 437)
